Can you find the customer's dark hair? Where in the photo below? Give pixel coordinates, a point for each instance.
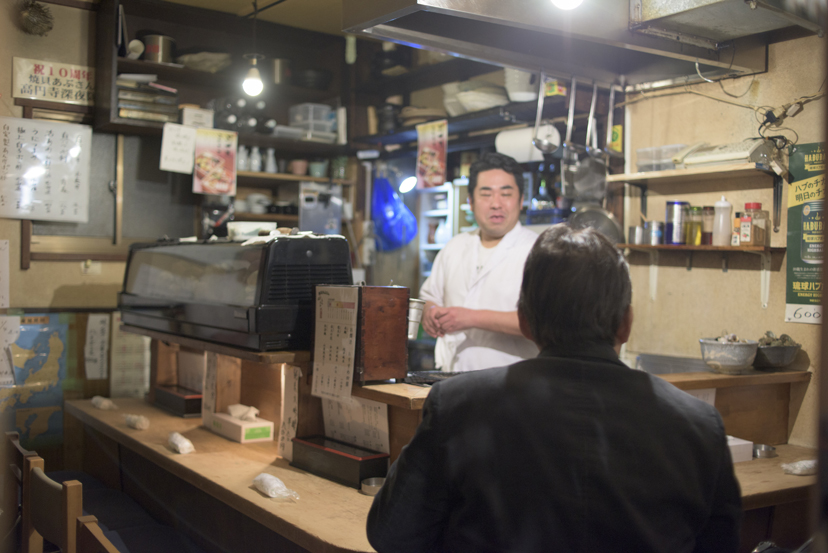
(576, 288)
(493, 160)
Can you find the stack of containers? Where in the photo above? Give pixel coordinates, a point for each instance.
(309, 122)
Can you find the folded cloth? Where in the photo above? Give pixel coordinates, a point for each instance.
(180, 444)
(138, 422)
(103, 403)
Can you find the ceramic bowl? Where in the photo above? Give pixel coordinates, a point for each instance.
(775, 356)
(728, 357)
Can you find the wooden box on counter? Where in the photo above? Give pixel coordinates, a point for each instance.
(382, 333)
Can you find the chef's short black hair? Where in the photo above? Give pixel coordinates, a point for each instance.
(576, 288)
(493, 160)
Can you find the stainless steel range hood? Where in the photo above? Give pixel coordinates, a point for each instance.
(642, 43)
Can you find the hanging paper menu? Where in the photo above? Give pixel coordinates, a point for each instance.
(334, 341)
(432, 141)
(44, 170)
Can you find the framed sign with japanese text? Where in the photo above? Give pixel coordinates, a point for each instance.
(54, 82)
(806, 193)
(44, 170)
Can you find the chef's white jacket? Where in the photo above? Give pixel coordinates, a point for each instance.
(454, 281)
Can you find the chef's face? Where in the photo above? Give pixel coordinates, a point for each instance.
(495, 203)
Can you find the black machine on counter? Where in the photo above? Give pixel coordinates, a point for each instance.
(254, 295)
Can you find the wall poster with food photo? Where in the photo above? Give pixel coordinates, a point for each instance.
(432, 140)
(215, 162)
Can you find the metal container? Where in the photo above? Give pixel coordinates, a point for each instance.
(158, 48)
(415, 315)
(654, 232)
(674, 222)
(281, 71)
(728, 357)
(636, 236)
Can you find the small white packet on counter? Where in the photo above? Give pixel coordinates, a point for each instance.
(103, 403)
(801, 468)
(138, 422)
(273, 487)
(180, 444)
(243, 412)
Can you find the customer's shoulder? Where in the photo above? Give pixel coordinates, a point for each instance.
(688, 405)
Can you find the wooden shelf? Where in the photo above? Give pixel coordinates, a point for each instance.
(695, 174)
(288, 177)
(267, 218)
(685, 248)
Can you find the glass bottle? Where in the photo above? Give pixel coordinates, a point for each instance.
(693, 226)
(708, 215)
(270, 161)
(255, 159)
(242, 160)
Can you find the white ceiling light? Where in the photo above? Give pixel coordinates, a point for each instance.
(567, 4)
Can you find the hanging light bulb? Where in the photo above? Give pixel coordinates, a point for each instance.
(567, 4)
(253, 84)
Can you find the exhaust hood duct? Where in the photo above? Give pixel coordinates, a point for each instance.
(608, 41)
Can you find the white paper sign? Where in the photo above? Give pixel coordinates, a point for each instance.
(9, 333)
(707, 395)
(357, 421)
(96, 350)
(4, 274)
(130, 355)
(54, 82)
(44, 170)
(335, 341)
(178, 148)
(290, 410)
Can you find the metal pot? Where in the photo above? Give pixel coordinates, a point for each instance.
(158, 48)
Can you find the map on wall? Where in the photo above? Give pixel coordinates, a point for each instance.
(33, 405)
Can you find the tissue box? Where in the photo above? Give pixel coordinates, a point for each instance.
(237, 430)
(740, 450)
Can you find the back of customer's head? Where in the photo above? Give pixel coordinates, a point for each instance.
(576, 288)
(494, 160)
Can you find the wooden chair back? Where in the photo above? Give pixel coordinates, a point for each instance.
(12, 480)
(50, 509)
(91, 538)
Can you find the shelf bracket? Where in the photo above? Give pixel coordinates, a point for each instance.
(724, 262)
(653, 274)
(689, 261)
(764, 277)
(777, 201)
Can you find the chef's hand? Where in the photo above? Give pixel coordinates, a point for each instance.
(454, 319)
(430, 323)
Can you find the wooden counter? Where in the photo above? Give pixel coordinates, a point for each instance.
(328, 517)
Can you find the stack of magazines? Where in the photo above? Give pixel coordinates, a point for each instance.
(140, 97)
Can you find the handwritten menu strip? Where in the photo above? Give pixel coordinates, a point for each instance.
(334, 341)
(208, 398)
(9, 333)
(178, 148)
(44, 170)
(96, 350)
(290, 410)
(357, 421)
(130, 359)
(4, 274)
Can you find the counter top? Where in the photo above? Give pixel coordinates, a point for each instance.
(327, 518)
(410, 396)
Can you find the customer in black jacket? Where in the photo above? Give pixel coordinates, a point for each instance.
(571, 451)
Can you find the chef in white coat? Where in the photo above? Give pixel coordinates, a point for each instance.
(472, 293)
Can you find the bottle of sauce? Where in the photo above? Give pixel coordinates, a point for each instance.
(722, 224)
(693, 226)
(708, 216)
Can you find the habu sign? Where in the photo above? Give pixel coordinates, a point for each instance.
(54, 82)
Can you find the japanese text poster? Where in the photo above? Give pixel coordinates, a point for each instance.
(215, 162)
(54, 82)
(334, 341)
(432, 140)
(806, 195)
(44, 170)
